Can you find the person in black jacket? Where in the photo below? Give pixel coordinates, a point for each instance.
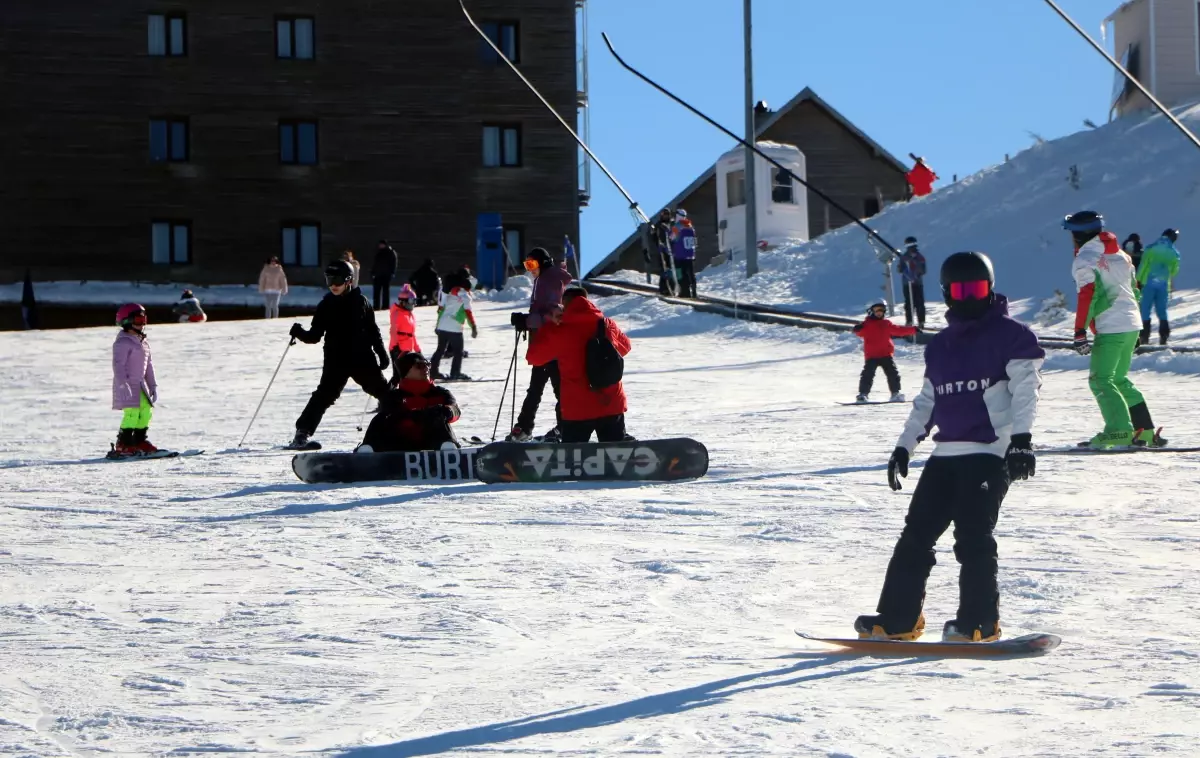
(426, 283)
(383, 270)
(346, 321)
(1133, 246)
(668, 283)
(416, 415)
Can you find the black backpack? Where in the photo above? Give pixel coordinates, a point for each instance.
(603, 364)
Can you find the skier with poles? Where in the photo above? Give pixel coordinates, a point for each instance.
(1108, 304)
(982, 377)
(353, 349)
(911, 266)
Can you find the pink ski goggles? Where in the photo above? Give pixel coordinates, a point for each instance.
(978, 290)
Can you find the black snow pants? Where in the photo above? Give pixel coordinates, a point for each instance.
(533, 396)
(686, 271)
(914, 300)
(607, 429)
(449, 343)
(334, 375)
(868, 374)
(966, 490)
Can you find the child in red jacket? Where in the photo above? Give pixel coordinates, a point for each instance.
(876, 333)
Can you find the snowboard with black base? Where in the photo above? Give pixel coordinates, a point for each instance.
(413, 466)
(980, 391)
(635, 460)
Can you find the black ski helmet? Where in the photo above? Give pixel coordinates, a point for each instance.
(1171, 234)
(338, 272)
(1084, 222)
(878, 304)
(910, 241)
(968, 267)
(542, 256)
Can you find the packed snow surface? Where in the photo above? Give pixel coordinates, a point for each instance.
(216, 604)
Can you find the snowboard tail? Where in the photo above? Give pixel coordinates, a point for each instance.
(433, 466)
(1029, 644)
(640, 460)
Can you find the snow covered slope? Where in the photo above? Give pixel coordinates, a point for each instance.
(215, 604)
(1139, 172)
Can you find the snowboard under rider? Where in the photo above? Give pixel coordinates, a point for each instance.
(353, 348)
(415, 415)
(1108, 305)
(982, 378)
(135, 390)
(876, 332)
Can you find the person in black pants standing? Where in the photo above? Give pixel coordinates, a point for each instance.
(912, 276)
(549, 283)
(382, 272)
(353, 348)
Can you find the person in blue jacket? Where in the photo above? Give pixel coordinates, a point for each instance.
(683, 250)
(1156, 274)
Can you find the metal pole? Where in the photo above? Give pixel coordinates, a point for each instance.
(264, 397)
(751, 138)
(1129, 77)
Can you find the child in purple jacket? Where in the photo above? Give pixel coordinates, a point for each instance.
(134, 388)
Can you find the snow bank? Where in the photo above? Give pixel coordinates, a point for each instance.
(108, 293)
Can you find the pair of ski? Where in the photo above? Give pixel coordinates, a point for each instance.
(113, 455)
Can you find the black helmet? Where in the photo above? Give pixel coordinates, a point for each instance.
(338, 272)
(541, 255)
(965, 269)
(1171, 234)
(1088, 222)
(878, 304)
(406, 361)
(910, 241)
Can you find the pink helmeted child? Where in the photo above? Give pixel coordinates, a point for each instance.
(134, 389)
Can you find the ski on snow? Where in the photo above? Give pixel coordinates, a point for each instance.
(1076, 450)
(113, 456)
(1029, 644)
(877, 402)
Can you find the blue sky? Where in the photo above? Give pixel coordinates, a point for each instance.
(961, 82)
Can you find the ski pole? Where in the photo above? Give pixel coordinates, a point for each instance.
(264, 397)
(364, 413)
(510, 374)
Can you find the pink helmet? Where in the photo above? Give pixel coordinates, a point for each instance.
(407, 293)
(127, 312)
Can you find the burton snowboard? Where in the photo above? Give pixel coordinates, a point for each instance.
(436, 466)
(1029, 644)
(634, 460)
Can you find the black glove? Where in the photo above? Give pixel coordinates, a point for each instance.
(1020, 459)
(381, 354)
(1081, 342)
(519, 322)
(897, 464)
(858, 328)
(445, 411)
(296, 331)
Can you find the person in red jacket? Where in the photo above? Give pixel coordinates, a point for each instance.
(414, 415)
(564, 339)
(876, 333)
(921, 179)
(404, 328)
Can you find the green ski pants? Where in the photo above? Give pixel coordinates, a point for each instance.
(138, 418)
(1109, 380)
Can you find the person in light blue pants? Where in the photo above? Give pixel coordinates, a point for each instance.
(1156, 273)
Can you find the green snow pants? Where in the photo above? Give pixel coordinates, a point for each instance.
(1109, 380)
(138, 418)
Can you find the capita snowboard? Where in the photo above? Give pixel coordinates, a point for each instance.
(437, 466)
(1028, 644)
(112, 455)
(633, 460)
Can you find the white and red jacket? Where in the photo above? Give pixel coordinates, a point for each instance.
(1104, 275)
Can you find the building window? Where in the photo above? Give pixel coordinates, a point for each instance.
(167, 35)
(514, 245)
(735, 188)
(171, 242)
(782, 187)
(294, 38)
(301, 244)
(168, 140)
(870, 207)
(505, 35)
(298, 142)
(501, 145)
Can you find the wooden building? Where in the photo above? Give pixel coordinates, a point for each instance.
(189, 141)
(843, 162)
(1158, 41)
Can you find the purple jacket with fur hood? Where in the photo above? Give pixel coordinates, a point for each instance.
(133, 371)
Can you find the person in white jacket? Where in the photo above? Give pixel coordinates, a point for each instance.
(453, 312)
(982, 379)
(272, 285)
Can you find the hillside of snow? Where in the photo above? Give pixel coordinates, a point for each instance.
(215, 604)
(1140, 172)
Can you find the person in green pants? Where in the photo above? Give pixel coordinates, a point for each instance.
(1108, 303)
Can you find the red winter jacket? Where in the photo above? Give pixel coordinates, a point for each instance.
(404, 330)
(877, 333)
(921, 178)
(566, 342)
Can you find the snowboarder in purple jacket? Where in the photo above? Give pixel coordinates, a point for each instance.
(683, 250)
(982, 378)
(134, 388)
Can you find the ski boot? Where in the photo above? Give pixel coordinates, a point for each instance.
(860, 397)
(518, 435)
(1149, 438)
(143, 445)
(1144, 335)
(1109, 440)
(897, 397)
(1164, 332)
(956, 631)
(459, 377)
(126, 446)
(299, 442)
(875, 628)
(553, 436)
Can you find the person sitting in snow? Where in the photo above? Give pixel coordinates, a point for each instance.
(188, 309)
(876, 333)
(415, 415)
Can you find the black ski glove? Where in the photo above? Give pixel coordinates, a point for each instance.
(1081, 342)
(297, 331)
(897, 464)
(1020, 459)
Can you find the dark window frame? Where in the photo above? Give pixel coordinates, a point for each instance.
(298, 225)
(183, 41)
(503, 127)
(170, 122)
(173, 223)
(291, 25)
(294, 124)
(494, 30)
